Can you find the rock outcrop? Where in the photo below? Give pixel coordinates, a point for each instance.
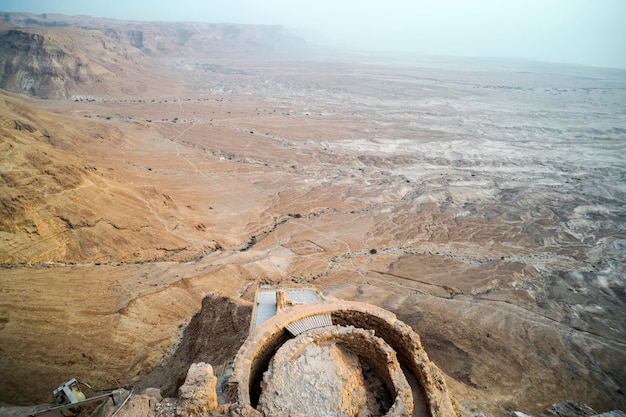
(568, 409)
(571, 409)
(197, 396)
(56, 56)
(213, 336)
(55, 63)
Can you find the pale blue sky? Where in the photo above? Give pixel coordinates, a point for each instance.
(591, 32)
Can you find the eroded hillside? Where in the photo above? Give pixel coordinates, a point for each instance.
(62, 203)
(69, 57)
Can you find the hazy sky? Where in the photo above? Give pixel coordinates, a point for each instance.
(591, 32)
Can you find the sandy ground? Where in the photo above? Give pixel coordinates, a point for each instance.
(484, 206)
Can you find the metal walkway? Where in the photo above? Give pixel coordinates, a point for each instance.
(265, 303)
(308, 323)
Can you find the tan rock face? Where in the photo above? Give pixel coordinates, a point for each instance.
(65, 64)
(197, 395)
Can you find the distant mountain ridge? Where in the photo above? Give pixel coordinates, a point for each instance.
(58, 63)
(59, 56)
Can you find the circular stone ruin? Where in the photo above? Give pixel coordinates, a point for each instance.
(323, 369)
(337, 358)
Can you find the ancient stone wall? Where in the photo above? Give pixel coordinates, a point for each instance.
(254, 356)
(287, 384)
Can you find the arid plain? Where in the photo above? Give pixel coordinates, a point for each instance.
(481, 201)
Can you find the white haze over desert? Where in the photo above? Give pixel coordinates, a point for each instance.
(589, 32)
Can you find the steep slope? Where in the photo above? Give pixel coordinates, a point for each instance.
(56, 56)
(188, 38)
(56, 206)
(61, 63)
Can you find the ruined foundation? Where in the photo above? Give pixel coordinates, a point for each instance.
(390, 347)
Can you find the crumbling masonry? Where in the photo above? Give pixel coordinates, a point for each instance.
(392, 349)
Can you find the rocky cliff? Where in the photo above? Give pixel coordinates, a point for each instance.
(55, 63)
(56, 56)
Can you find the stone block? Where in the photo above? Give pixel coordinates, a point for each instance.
(197, 396)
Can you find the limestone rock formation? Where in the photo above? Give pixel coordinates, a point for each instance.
(60, 63)
(571, 408)
(213, 336)
(56, 56)
(197, 396)
(568, 409)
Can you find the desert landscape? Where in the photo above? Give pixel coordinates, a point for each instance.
(148, 167)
